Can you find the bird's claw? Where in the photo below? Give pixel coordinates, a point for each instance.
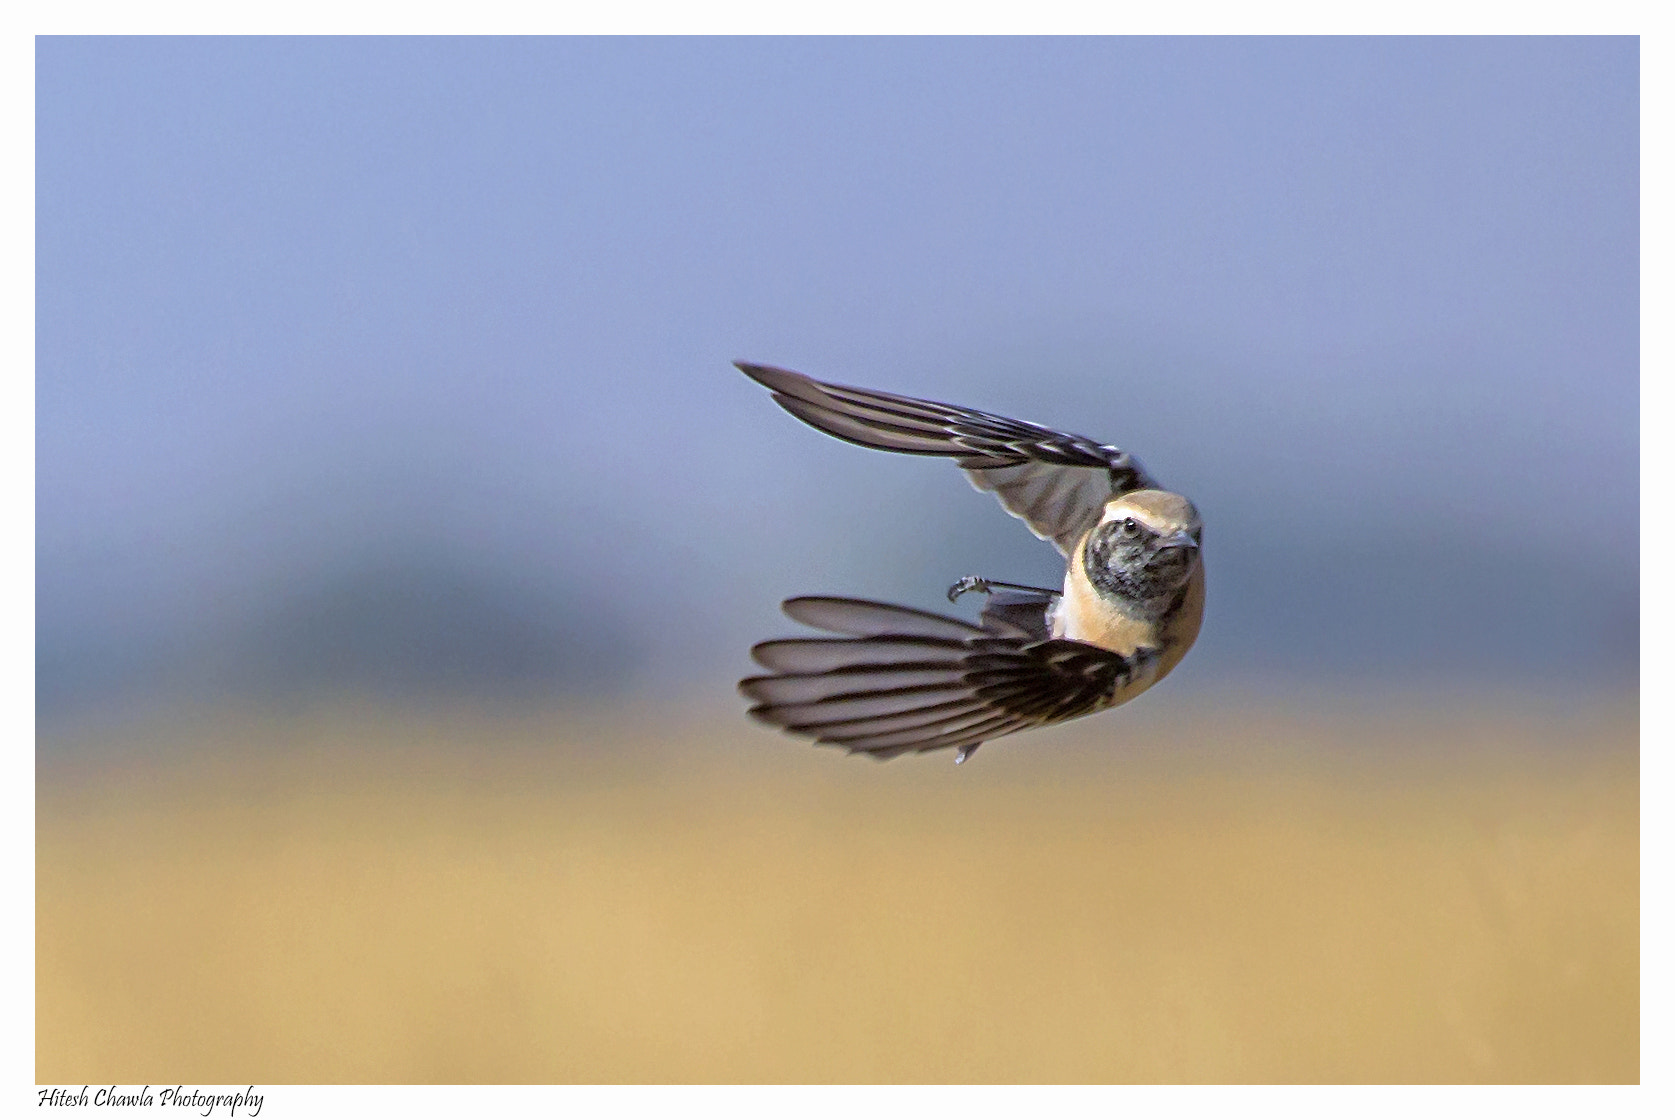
(965, 584)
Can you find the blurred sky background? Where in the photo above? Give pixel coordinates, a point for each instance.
(400, 367)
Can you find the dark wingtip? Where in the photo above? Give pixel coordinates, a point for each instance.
(750, 689)
(756, 656)
(786, 385)
(771, 376)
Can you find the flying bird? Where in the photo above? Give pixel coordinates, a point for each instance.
(900, 679)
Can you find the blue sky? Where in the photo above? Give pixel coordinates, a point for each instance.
(403, 364)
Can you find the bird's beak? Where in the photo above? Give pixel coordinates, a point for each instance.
(1182, 539)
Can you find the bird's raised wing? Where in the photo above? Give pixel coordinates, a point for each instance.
(906, 680)
(1055, 482)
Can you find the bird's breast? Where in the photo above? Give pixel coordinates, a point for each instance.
(1087, 616)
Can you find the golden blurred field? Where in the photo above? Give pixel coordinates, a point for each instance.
(365, 896)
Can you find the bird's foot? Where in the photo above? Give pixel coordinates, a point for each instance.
(965, 753)
(979, 583)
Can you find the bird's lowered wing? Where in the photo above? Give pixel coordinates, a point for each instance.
(1056, 482)
(904, 680)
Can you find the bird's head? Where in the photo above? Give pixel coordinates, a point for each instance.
(1144, 549)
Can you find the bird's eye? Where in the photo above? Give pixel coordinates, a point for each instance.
(1130, 527)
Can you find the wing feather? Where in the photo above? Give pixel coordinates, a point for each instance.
(839, 707)
(888, 721)
(1055, 482)
(853, 682)
(821, 655)
(863, 618)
